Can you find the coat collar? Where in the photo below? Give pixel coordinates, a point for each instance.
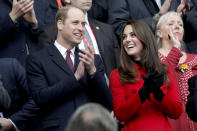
(97, 30)
(152, 7)
(10, 1)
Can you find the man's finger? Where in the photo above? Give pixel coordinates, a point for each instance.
(14, 2)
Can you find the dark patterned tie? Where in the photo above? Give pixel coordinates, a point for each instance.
(69, 61)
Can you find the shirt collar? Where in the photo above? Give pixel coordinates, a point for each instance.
(86, 18)
(63, 50)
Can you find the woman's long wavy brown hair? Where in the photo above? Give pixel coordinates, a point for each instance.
(149, 56)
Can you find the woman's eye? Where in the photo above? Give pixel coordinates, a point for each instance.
(124, 36)
(181, 25)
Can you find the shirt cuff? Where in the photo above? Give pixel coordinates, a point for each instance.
(14, 125)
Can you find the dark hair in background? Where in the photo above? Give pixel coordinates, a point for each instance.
(149, 55)
(91, 117)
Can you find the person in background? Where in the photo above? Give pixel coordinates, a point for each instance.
(191, 106)
(62, 77)
(144, 90)
(5, 100)
(123, 10)
(91, 117)
(20, 21)
(169, 33)
(23, 112)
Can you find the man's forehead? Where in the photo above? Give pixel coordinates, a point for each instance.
(76, 14)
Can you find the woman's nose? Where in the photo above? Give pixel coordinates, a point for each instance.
(128, 38)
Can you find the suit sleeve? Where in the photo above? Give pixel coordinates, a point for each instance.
(119, 14)
(191, 106)
(171, 103)
(5, 100)
(190, 20)
(29, 109)
(98, 86)
(8, 25)
(46, 95)
(124, 109)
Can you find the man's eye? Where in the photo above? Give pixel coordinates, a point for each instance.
(75, 22)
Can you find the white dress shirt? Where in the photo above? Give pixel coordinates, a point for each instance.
(88, 28)
(158, 3)
(63, 50)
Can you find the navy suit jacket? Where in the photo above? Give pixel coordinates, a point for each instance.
(123, 10)
(56, 90)
(191, 106)
(15, 37)
(106, 40)
(23, 109)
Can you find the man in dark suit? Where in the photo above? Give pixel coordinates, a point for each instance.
(102, 36)
(191, 106)
(60, 86)
(123, 10)
(23, 110)
(20, 21)
(5, 100)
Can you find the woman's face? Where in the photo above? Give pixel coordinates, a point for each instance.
(131, 43)
(173, 23)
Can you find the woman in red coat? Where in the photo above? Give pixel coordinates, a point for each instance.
(144, 90)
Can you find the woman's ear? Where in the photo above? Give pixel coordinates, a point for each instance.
(158, 33)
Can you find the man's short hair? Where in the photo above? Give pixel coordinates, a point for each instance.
(92, 117)
(62, 13)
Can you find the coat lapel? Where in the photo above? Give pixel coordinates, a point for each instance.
(76, 58)
(57, 58)
(10, 1)
(98, 34)
(151, 6)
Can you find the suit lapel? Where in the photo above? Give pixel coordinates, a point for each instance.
(10, 1)
(76, 58)
(98, 34)
(151, 6)
(57, 58)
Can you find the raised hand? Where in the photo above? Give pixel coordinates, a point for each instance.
(145, 91)
(6, 124)
(157, 81)
(30, 17)
(152, 83)
(165, 7)
(174, 40)
(87, 57)
(183, 8)
(20, 8)
(80, 71)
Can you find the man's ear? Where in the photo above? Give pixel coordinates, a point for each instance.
(68, 1)
(60, 24)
